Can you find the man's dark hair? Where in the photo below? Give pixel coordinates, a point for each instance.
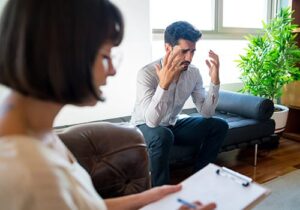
(181, 30)
(48, 47)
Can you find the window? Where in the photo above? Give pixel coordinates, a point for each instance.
(247, 14)
(224, 24)
(198, 13)
(212, 15)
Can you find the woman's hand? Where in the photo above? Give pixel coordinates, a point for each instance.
(137, 201)
(199, 206)
(158, 193)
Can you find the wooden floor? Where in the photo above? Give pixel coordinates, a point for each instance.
(270, 164)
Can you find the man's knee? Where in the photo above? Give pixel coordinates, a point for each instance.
(159, 137)
(220, 125)
(164, 138)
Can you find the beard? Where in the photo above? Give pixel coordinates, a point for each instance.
(185, 65)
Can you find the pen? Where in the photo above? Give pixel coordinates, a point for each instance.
(186, 203)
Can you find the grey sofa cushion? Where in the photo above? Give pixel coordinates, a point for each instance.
(245, 105)
(241, 129)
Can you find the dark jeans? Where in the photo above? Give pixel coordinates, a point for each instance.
(205, 133)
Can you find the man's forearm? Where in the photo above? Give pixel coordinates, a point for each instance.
(207, 108)
(157, 108)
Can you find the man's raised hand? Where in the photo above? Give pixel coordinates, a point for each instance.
(213, 65)
(171, 67)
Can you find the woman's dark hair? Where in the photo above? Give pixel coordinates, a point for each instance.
(181, 30)
(48, 47)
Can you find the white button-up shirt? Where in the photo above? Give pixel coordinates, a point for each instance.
(156, 106)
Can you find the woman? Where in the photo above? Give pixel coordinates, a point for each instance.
(52, 53)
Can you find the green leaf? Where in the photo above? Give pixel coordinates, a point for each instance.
(270, 59)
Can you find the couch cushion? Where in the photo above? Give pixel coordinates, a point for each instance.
(243, 129)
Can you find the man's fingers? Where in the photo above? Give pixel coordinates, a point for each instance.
(175, 58)
(166, 58)
(213, 55)
(157, 68)
(214, 63)
(212, 52)
(208, 64)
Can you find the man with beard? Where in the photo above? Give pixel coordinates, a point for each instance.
(162, 89)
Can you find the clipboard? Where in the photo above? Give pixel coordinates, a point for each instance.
(228, 189)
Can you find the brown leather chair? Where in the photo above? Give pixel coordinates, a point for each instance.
(114, 155)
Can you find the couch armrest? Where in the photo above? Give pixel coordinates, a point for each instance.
(248, 106)
(115, 156)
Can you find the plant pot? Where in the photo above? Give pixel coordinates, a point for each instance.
(280, 117)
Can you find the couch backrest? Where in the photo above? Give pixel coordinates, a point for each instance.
(248, 106)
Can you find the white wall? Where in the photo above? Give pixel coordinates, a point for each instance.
(120, 89)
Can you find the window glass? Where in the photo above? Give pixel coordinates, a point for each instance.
(244, 13)
(199, 13)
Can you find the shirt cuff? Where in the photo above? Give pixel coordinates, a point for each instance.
(161, 95)
(214, 88)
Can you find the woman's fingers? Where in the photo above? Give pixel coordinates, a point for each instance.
(168, 189)
(199, 206)
(209, 206)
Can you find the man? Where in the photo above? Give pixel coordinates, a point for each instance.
(162, 89)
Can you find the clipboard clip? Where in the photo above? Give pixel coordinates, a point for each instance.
(243, 180)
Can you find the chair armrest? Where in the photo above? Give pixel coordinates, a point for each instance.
(115, 156)
(248, 106)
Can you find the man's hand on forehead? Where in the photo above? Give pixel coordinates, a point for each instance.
(176, 49)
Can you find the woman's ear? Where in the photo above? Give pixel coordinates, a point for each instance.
(168, 47)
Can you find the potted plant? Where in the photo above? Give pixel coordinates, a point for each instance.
(270, 61)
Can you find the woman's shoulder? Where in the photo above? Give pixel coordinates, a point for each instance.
(24, 172)
(19, 155)
(15, 176)
(32, 172)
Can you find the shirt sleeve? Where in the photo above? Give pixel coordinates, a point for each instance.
(153, 99)
(206, 102)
